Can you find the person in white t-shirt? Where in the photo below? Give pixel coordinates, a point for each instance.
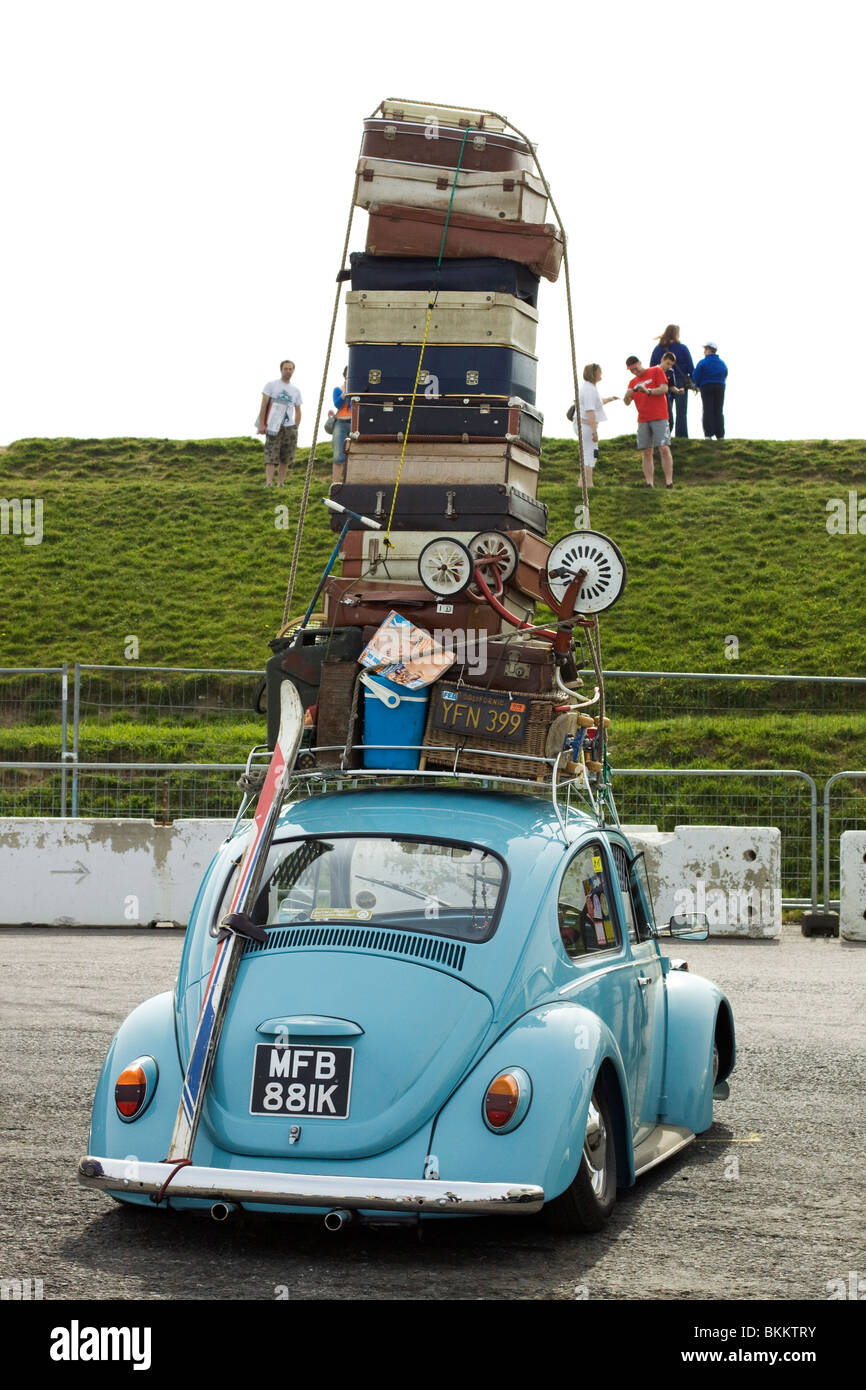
(279, 418)
(591, 415)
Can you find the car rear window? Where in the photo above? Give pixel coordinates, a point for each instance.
(443, 887)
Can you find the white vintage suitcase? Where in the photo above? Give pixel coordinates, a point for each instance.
(364, 555)
(510, 196)
(458, 316)
(377, 463)
(395, 110)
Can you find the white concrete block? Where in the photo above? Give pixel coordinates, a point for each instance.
(852, 885)
(732, 873)
(102, 873)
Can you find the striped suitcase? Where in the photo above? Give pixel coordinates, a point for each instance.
(460, 370)
(402, 231)
(383, 419)
(444, 317)
(423, 462)
(420, 142)
(513, 196)
(426, 273)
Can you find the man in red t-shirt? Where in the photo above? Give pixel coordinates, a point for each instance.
(648, 389)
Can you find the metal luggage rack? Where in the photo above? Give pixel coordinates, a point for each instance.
(315, 780)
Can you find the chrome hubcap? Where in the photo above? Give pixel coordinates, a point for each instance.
(595, 1148)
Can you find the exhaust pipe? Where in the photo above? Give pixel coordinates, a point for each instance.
(337, 1219)
(221, 1211)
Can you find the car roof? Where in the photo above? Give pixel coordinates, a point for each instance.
(492, 819)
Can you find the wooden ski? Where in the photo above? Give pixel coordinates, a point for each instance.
(237, 926)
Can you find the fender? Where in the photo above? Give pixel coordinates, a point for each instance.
(563, 1047)
(149, 1030)
(694, 1004)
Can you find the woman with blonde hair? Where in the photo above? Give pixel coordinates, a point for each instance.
(591, 414)
(669, 341)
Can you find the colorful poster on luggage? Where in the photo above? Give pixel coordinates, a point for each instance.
(405, 654)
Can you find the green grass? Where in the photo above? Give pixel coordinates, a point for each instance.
(179, 545)
(176, 543)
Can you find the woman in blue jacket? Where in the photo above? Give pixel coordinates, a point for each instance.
(670, 342)
(710, 376)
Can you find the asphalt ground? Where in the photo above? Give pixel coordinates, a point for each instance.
(767, 1205)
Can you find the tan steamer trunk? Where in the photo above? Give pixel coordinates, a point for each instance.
(512, 196)
(395, 110)
(439, 463)
(457, 316)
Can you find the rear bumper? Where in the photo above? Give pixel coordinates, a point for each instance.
(131, 1177)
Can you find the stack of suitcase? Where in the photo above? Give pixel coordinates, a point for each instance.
(441, 323)
(456, 220)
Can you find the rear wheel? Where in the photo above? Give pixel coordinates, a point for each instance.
(589, 1201)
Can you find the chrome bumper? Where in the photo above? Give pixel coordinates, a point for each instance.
(123, 1175)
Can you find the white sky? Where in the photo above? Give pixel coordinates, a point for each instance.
(176, 180)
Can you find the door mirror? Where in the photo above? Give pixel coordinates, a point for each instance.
(690, 926)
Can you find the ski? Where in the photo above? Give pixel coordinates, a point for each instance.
(237, 926)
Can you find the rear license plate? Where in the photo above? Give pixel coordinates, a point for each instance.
(290, 1080)
(489, 716)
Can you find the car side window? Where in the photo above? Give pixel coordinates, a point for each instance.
(642, 898)
(622, 865)
(586, 922)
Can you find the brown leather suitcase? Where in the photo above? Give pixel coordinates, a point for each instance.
(366, 602)
(448, 464)
(419, 142)
(515, 663)
(400, 231)
(532, 555)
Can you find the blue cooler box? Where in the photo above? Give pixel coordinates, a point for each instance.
(392, 715)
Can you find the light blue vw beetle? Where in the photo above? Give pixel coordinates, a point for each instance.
(459, 1007)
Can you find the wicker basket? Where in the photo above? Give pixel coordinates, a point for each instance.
(548, 721)
(337, 711)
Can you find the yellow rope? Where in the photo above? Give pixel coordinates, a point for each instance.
(430, 307)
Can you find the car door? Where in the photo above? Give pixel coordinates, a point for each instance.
(650, 998)
(592, 934)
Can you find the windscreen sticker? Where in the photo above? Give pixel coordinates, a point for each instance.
(328, 914)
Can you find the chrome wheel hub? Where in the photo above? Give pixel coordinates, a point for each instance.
(595, 1149)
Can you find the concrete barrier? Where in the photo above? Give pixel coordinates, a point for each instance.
(102, 873)
(852, 885)
(121, 873)
(732, 873)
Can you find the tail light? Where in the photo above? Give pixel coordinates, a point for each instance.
(507, 1100)
(134, 1088)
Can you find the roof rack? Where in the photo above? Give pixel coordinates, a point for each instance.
(549, 784)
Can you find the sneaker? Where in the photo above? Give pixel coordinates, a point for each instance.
(668, 485)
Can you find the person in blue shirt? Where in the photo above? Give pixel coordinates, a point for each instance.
(710, 376)
(670, 342)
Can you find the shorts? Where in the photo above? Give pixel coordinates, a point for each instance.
(590, 450)
(280, 448)
(653, 432)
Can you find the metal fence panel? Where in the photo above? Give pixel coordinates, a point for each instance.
(788, 799)
(848, 813)
(149, 791)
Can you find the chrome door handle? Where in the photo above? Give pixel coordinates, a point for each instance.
(643, 981)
